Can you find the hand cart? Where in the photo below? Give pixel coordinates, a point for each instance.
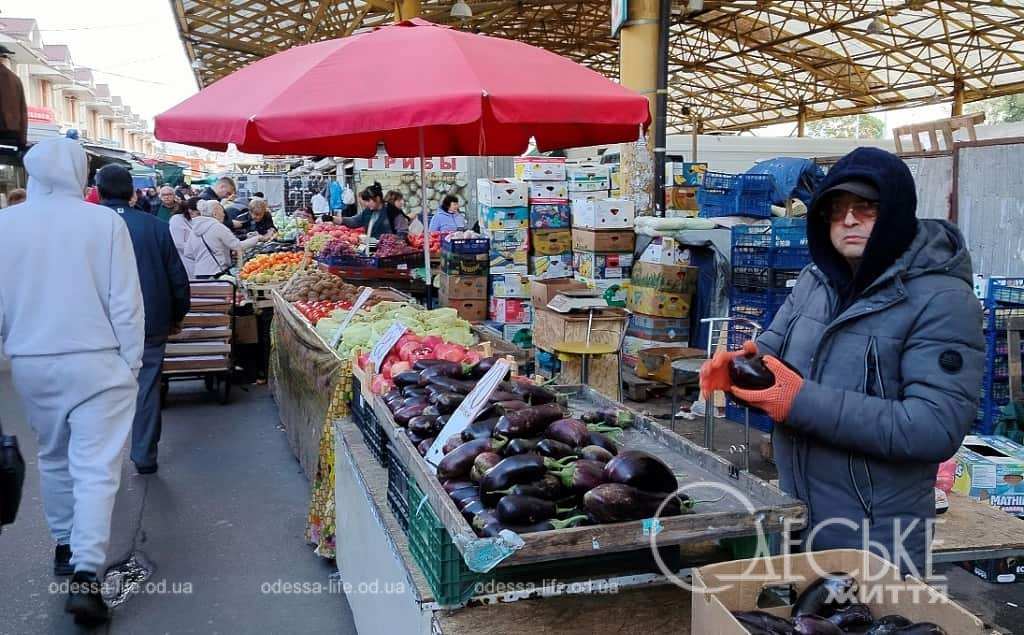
(202, 350)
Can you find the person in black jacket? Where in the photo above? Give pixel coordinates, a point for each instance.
(165, 295)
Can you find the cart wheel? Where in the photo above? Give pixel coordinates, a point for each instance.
(209, 380)
(224, 394)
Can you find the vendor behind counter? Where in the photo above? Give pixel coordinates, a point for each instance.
(377, 217)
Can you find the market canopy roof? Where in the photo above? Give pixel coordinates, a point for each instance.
(737, 64)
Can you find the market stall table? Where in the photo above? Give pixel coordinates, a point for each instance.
(975, 530)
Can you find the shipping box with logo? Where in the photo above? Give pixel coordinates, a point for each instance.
(991, 468)
(502, 192)
(668, 278)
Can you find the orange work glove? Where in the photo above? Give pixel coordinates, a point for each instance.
(777, 400)
(714, 374)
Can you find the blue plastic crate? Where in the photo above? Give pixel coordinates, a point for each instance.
(752, 257)
(752, 305)
(713, 181)
(752, 236)
(791, 257)
(755, 183)
(737, 413)
(754, 204)
(789, 232)
(997, 317)
(466, 245)
(738, 334)
(1005, 291)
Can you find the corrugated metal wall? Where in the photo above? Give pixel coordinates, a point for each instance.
(484, 168)
(990, 207)
(933, 177)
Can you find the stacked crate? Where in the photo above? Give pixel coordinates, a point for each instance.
(766, 261)
(550, 217)
(463, 282)
(660, 296)
(736, 195)
(1004, 300)
(602, 233)
(505, 219)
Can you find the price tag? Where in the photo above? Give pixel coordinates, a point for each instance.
(385, 344)
(360, 301)
(467, 411)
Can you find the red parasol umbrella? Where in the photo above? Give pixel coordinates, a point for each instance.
(419, 88)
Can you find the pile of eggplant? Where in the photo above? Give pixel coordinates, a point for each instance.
(826, 607)
(524, 463)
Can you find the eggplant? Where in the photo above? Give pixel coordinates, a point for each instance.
(615, 502)
(413, 401)
(484, 517)
(450, 370)
(581, 476)
(424, 426)
(484, 365)
(617, 418)
(479, 429)
(455, 484)
(749, 372)
(555, 449)
(453, 442)
(814, 625)
(852, 615)
(529, 421)
(825, 595)
(491, 530)
(453, 385)
(549, 488)
(513, 470)
(404, 414)
(424, 364)
(485, 461)
(641, 470)
(470, 511)
(595, 453)
(503, 395)
(408, 378)
(413, 437)
(410, 391)
(431, 411)
(591, 417)
(462, 497)
(921, 628)
(532, 393)
(424, 446)
(571, 432)
(459, 461)
(447, 402)
(602, 441)
(888, 625)
(758, 622)
(506, 407)
(526, 510)
(520, 446)
(391, 395)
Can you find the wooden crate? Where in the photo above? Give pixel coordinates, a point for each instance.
(550, 328)
(198, 363)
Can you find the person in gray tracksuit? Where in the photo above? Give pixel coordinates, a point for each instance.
(886, 332)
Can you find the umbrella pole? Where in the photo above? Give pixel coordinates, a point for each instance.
(426, 219)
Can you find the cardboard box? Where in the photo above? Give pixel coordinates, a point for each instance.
(588, 172)
(688, 173)
(503, 218)
(464, 264)
(508, 239)
(462, 288)
(510, 285)
(658, 303)
(542, 292)
(502, 192)
(615, 292)
(632, 345)
(596, 188)
(551, 328)
(608, 213)
(668, 278)
(470, 310)
(539, 168)
(616, 178)
(992, 468)
(548, 190)
(665, 330)
(681, 198)
(247, 329)
(519, 334)
(516, 261)
(999, 571)
(552, 242)
(719, 589)
(666, 251)
(590, 264)
(655, 362)
(509, 311)
(546, 214)
(550, 267)
(605, 241)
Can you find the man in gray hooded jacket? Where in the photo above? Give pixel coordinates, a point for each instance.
(883, 352)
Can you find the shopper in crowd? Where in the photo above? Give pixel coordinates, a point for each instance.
(72, 322)
(222, 188)
(448, 218)
(15, 196)
(167, 205)
(259, 195)
(165, 295)
(138, 200)
(152, 200)
(260, 220)
(374, 217)
(395, 207)
(181, 229)
(210, 247)
(183, 192)
(877, 357)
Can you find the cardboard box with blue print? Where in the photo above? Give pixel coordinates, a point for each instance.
(510, 285)
(503, 218)
(615, 292)
(539, 168)
(550, 214)
(991, 468)
(588, 172)
(519, 334)
(509, 239)
(510, 311)
(511, 261)
(595, 265)
(502, 192)
(664, 330)
(549, 190)
(658, 303)
(551, 267)
(668, 278)
(551, 242)
(608, 213)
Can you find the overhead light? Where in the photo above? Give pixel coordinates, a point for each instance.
(876, 27)
(461, 10)
(198, 65)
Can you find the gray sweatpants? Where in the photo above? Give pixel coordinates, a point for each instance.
(81, 407)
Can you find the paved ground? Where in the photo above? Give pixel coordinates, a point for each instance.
(220, 524)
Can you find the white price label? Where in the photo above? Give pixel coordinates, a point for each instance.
(360, 301)
(385, 344)
(468, 410)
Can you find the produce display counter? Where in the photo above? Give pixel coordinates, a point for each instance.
(397, 279)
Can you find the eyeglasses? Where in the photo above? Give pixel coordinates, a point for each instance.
(861, 210)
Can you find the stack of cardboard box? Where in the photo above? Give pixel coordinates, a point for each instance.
(550, 218)
(463, 281)
(661, 293)
(505, 219)
(602, 243)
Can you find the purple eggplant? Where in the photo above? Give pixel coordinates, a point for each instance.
(484, 365)
(484, 517)
(852, 615)
(508, 407)
(454, 484)
(503, 395)
(526, 510)
(814, 625)
(641, 470)
(555, 449)
(479, 429)
(888, 625)
(414, 401)
(532, 393)
(453, 442)
(513, 470)
(602, 441)
(921, 628)
(411, 391)
(431, 411)
(447, 402)
(408, 378)
(615, 502)
(470, 511)
(462, 497)
(392, 395)
(450, 370)
(571, 432)
(424, 426)
(424, 364)
(595, 453)
(413, 437)
(485, 461)
(528, 422)
(404, 414)
(493, 529)
(521, 446)
(581, 476)
(749, 372)
(763, 623)
(424, 446)
(457, 386)
(825, 595)
(459, 461)
(549, 488)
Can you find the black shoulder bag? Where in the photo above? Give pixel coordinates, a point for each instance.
(12, 478)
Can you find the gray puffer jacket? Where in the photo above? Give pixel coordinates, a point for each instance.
(891, 388)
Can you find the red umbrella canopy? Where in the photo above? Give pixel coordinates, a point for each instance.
(466, 94)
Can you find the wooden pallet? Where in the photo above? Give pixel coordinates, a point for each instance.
(945, 127)
(636, 389)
